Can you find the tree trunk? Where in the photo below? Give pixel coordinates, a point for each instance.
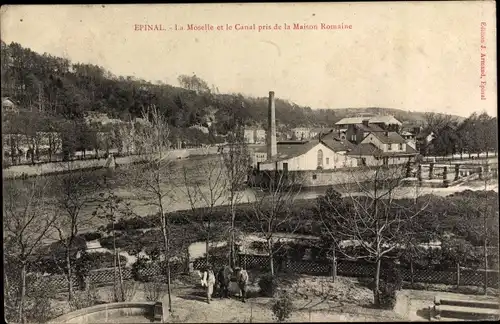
(232, 236)
(207, 248)
(334, 264)
(167, 256)
(270, 251)
(377, 283)
(23, 293)
(69, 273)
(120, 276)
(485, 267)
(115, 293)
(411, 272)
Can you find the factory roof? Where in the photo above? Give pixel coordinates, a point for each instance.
(371, 149)
(369, 127)
(376, 119)
(389, 137)
(290, 149)
(337, 145)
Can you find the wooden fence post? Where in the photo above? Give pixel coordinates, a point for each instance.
(334, 264)
(458, 275)
(431, 170)
(411, 272)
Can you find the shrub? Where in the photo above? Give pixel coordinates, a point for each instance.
(282, 307)
(138, 267)
(91, 236)
(84, 299)
(268, 285)
(153, 290)
(387, 295)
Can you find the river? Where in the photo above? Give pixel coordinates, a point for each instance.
(196, 170)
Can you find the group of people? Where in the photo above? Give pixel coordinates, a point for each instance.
(222, 280)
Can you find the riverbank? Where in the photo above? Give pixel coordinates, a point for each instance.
(20, 171)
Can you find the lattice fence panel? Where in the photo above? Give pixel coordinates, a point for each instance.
(476, 278)
(216, 262)
(102, 276)
(309, 267)
(354, 269)
(435, 277)
(248, 261)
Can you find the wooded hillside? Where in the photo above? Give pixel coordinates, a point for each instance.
(56, 85)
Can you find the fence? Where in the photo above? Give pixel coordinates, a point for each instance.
(348, 268)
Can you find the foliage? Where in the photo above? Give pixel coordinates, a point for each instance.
(91, 236)
(387, 295)
(282, 307)
(268, 285)
(153, 290)
(84, 299)
(138, 267)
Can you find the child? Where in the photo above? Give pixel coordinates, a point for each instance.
(208, 281)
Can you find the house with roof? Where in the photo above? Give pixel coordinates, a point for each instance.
(317, 133)
(355, 133)
(254, 135)
(386, 148)
(9, 105)
(387, 123)
(301, 133)
(304, 156)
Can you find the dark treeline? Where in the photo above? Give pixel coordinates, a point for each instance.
(66, 89)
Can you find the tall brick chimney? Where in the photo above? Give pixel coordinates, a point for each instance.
(272, 148)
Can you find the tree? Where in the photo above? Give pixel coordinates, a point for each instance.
(74, 191)
(28, 218)
(110, 209)
(272, 211)
(373, 220)
(206, 187)
(153, 174)
(193, 83)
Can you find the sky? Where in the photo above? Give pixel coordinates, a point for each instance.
(418, 56)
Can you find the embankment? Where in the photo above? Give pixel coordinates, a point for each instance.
(18, 171)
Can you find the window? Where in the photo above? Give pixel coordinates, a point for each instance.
(320, 159)
(327, 161)
(389, 147)
(314, 177)
(400, 146)
(353, 137)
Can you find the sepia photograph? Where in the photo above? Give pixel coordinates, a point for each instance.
(250, 162)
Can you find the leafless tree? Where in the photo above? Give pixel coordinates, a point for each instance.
(271, 211)
(153, 173)
(28, 217)
(205, 188)
(371, 217)
(236, 160)
(112, 208)
(74, 191)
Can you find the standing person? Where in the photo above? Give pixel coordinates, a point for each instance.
(242, 280)
(208, 282)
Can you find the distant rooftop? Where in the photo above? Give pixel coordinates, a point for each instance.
(375, 119)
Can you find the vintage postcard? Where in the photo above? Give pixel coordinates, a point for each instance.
(250, 162)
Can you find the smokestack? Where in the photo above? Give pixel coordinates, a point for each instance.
(272, 148)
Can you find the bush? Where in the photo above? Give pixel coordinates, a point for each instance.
(138, 267)
(268, 285)
(390, 282)
(91, 236)
(84, 299)
(387, 295)
(282, 308)
(153, 290)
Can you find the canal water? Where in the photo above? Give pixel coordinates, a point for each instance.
(195, 170)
